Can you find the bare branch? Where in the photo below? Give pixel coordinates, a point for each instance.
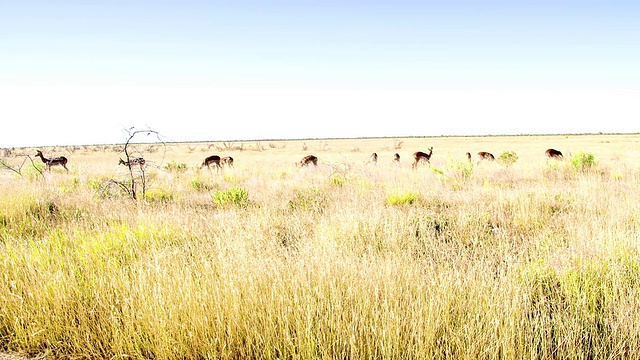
(130, 160)
(18, 170)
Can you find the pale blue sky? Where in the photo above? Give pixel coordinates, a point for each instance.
(79, 72)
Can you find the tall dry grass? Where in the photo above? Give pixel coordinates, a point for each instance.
(347, 260)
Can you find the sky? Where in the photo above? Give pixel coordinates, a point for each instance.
(83, 72)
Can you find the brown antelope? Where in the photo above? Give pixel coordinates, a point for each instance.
(62, 161)
(226, 160)
(134, 161)
(420, 156)
(211, 160)
(469, 156)
(307, 160)
(553, 154)
(396, 158)
(483, 155)
(373, 158)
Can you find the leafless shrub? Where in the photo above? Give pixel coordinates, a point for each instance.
(135, 178)
(228, 146)
(323, 146)
(111, 188)
(224, 146)
(17, 169)
(10, 167)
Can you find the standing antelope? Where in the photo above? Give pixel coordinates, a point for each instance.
(396, 158)
(226, 160)
(211, 160)
(62, 161)
(307, 160)
(135, 161)
(373, 158)
(553, 154)
(420, 156)
(482, 155)
(469, 156)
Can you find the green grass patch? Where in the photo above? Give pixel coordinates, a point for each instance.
(176, 167)
(199, 184)
(157, 195)
(405, 198)
(235, 196)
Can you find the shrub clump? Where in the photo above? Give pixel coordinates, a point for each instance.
(507, 158)
(583, 162)
(235, 196)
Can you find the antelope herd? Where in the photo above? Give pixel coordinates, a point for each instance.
(219, 162)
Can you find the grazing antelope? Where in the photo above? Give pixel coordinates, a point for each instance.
(553, 154)
(307, 160)
(62, 161)
(420, 156)
(211, 160)
(373, 158)
(135, 161)
(226, 160)
(396, 157)
(482, 155)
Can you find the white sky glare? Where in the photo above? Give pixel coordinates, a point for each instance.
(78, 73)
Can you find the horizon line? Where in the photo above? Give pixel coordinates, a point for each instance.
(332, 138)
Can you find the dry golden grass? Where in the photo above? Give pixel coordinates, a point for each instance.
(347, 260)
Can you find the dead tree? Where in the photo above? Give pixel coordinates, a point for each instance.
(137, 180)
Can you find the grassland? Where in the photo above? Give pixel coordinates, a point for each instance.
(455, 260)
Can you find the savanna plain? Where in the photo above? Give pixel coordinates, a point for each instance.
(523, 257)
